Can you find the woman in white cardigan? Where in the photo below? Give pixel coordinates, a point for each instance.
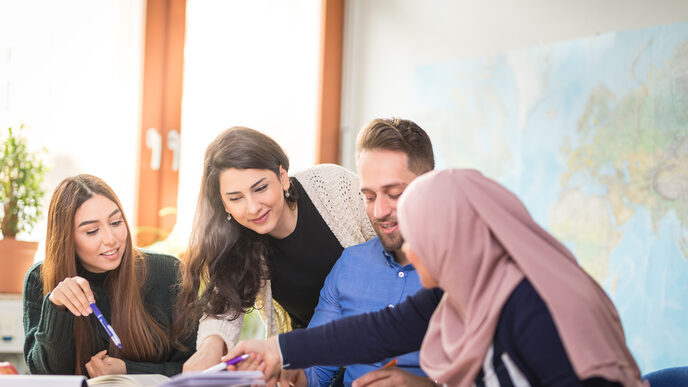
(259, 234)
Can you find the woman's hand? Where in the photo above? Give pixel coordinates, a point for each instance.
(102, 364)
(208, 354)
(268, 349)
(75, 294)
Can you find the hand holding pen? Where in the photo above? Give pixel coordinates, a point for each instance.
(221, 366)
(271, 363)
(75, 294)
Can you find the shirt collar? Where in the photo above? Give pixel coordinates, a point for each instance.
(389, 256)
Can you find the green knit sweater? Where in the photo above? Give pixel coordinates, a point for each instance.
(49, 343)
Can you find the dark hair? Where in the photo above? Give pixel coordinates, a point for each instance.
(143, 338)
(399, 135)
(226, 257)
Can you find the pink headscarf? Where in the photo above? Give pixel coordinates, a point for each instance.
(478, 241)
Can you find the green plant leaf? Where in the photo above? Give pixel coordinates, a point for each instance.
(21, 185)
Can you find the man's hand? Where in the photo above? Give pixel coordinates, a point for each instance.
(268, 349)
(293, 378)
(102, 364)
(392, 377)
(208, 354)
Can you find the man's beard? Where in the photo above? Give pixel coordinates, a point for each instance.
(391, 242)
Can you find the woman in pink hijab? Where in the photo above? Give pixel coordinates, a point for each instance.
(517, 308)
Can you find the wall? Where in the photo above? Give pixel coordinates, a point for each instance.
(385, 40)
(577, 107)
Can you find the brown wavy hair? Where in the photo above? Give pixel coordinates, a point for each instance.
(143, 338)
(223, 256)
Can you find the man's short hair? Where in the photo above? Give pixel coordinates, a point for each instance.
(396, 134)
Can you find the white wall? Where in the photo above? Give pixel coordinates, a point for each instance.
(385, 40)
(70, 71)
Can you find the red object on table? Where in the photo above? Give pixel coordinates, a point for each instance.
(6, 368)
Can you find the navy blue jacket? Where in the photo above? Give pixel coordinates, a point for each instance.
(525, 332)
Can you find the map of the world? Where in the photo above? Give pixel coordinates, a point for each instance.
(592, 135)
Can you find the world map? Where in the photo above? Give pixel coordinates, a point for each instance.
(592, 135)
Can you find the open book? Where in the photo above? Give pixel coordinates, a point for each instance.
(224, 378)
(140, 380)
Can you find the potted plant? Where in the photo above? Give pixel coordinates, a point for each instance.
(21, 189)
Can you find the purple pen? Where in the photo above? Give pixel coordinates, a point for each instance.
(222, 365)
(108, 328)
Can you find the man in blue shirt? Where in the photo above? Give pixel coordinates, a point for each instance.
(376, 274)
(366, 278)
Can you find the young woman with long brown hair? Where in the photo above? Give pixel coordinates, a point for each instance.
(259, 233)
(90, 257)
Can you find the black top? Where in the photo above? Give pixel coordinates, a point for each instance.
(301, 261)
(525, 331)
(49, 330)
(526, 334)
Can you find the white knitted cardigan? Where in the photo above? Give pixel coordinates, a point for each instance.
(335, 194)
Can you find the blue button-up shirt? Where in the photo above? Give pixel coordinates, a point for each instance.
(366, 278)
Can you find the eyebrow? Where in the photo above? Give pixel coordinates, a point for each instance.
(85, 222)
(384, 187)
(252, 187)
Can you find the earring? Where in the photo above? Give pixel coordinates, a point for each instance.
(286, 194)
(229, 217)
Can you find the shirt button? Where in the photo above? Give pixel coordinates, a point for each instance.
(401, 274)
(390, 306)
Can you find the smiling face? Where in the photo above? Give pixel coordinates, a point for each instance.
(384, 175)
(100, 234)
(255, 199)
